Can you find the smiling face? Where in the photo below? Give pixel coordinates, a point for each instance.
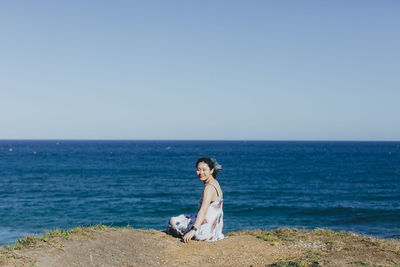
(203, 171)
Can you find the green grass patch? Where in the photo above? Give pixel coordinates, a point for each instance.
(281, 235)
(53, 235)
(272, 237)
(52, 238)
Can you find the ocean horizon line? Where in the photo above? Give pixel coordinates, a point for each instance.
(206, 140)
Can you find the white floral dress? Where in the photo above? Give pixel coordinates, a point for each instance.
(209, 230)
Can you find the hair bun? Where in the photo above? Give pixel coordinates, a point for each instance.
(217, 166)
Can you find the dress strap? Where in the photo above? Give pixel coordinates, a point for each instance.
(215, 188)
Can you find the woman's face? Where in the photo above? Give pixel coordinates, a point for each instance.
(203, 171)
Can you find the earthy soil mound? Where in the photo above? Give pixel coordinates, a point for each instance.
(104, 246)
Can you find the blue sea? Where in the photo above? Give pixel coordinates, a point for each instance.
(351, 186)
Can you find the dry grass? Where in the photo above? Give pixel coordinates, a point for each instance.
(149, 231)
(322, 247)
(287, 247)
(52, 238)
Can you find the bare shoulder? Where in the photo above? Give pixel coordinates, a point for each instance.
(211, 188)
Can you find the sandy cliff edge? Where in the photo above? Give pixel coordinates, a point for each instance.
(106, 246)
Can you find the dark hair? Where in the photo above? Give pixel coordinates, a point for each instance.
(210, 164)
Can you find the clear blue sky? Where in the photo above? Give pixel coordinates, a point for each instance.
(244, 70)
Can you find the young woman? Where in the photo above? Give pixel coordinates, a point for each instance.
(208, 223)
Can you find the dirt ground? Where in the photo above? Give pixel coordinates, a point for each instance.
(133, 247)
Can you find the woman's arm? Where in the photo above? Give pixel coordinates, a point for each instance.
(207, 196)
(201, 214)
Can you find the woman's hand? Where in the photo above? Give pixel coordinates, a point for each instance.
(188, 236)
